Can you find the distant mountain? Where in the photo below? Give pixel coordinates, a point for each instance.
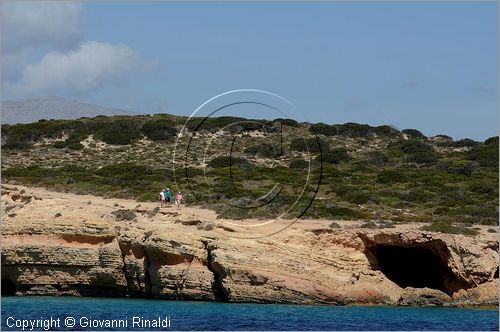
(51, 107)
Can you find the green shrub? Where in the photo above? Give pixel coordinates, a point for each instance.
(447, 227)
(361, 166)
(335, 156)
(410, 146)
(418, 218)
(359, 197)
(59, 144)
(342, 189)
(352, 129)
(465, 142)
(482, 188)
(299, 164)
(148, 197)
(224, 161)
(377, 158)
(484, 211)
(331, 211)
(32, 132)
(425, 156)
(74, 146)
(161, 130)
(263, 150)
(422, 157)
(21, 133)
(491, 140)
(414, 133)
(463, 167)
(323, 129)
(76, 137)
(454, 197)
(392, 176)
(119, 132)
(485, 155)
(287, 122)
(117, 137)
(414, 148)
(14, 144)
(72, 142)
(387, 131)
(311, 144)
(445, 137)
(420, 196)
(233, 123)
(124, 170)
(441, 210)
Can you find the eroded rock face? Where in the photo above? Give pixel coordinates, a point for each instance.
(461, 262)
(58, 270)
(483, 294)
(86, 251)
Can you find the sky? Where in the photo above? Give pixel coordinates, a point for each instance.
(430, 65)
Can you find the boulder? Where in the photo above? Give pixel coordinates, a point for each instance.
(423, 297)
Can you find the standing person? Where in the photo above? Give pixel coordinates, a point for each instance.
(165, 196)
(178, 199)
(169, 196)
(162, 198)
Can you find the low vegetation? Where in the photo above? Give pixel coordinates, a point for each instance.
(447, 227)
(363, 172)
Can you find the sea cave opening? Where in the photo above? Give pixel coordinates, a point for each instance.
(8, 287)
(415, 266)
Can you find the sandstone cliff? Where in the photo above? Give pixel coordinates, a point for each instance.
(65, 244)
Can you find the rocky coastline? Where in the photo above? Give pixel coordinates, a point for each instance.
(63, 244)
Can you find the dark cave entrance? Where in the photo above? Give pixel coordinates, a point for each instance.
(424, 265)
(8, 287)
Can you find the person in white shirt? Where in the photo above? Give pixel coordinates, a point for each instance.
(162, 198)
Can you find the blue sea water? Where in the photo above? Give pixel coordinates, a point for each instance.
(186, 315)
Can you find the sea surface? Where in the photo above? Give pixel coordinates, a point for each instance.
(59, 313)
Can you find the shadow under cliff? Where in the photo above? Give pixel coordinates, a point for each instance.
(415, 265)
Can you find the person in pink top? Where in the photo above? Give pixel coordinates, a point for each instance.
(179, 199)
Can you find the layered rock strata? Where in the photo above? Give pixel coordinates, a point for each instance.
(189, 254)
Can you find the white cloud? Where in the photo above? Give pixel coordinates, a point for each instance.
(42, 52)
(85, 69)
(13, 65)
(29, 24)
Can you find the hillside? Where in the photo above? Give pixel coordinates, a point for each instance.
(51, 107)
(265, 169)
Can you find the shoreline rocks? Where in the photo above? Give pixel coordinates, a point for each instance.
(169, 258)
